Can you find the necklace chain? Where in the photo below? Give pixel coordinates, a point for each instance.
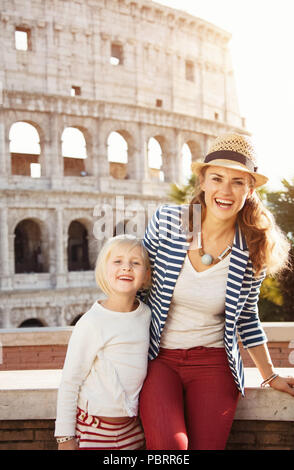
(208, 259)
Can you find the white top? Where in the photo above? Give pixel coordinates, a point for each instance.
(196, 314)
(105, 365)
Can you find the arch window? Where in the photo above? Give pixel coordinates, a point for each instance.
(116, 55)
(117, 153)
(189, 70)
(31, 323)
(121, 228)
(186, 161)
(78, 253)
(24, 147)
(154, 158)
(76, 319)
(28, 248)
(74, 152)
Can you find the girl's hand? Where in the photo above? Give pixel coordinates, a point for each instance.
(69, 445)
(283, 384)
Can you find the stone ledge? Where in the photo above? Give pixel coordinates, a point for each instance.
(32, 394)
(275, 331)
(35, 336)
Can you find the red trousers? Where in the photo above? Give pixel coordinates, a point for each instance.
(188, 400)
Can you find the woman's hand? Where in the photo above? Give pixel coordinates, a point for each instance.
(69, 445)
(283, 384)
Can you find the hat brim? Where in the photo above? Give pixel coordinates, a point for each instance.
(260, 180)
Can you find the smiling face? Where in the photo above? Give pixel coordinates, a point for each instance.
(126, 269)
(225, 191)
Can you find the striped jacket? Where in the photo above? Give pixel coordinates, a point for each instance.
(167, 245)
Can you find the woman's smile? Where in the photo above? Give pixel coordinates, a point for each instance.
(224, 203)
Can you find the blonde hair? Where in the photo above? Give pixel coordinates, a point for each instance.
(123, 241)
(268, 246)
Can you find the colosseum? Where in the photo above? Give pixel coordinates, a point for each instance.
(102, 104)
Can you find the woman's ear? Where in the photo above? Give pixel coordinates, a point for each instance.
(201, 181)
(251, 192)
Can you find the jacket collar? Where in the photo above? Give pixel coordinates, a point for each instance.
(239, 239)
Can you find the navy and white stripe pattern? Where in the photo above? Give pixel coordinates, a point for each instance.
(167, 245)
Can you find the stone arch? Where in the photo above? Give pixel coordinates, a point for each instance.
(135, 224)
(166, 138)
(25, 145)
(121, 228)
(190, 152)
(74, 311)
(123, 168)
(74, 150)
(78, 258)
(76, 319)
(186, 160)
(31, 323)
(129, 131)
(155, 158)
(195, 149)
(30, 241)
(118, 154)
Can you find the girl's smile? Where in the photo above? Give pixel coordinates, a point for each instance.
(126, 270)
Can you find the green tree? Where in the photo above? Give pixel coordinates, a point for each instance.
(276, 296)
(182, 194)
(281, 204)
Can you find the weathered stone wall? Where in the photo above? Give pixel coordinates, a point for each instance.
(263, 419)
(173, 81)
(45, 348)
(71, 42)
(245, 435)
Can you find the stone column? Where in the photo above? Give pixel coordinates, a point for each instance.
(5, 319)
(52, 149)
(101, 157)
(99, 154)
(5, 164)
(136, 163)
(61, 271)
(4, 251)
(44, 161)
(177, 158)
(144, 151)
(105, 47)
(171, 158)
(169, 166)
(200, 64)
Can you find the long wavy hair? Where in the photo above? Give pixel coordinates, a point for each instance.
(268, 246)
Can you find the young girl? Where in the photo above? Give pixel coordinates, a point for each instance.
(106, 360)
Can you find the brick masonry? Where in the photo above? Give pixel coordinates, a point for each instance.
(27, 435)
(261, 435)
(245, 435)
(52, 356)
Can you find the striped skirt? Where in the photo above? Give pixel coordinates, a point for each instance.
(93, 433)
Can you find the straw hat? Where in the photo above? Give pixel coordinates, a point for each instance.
(232, 151)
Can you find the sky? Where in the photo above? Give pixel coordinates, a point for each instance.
(263, 61)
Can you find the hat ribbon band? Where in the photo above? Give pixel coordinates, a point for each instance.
(231, 155)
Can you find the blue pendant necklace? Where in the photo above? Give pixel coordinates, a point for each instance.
(206, 258)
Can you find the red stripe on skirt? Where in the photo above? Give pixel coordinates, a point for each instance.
(114, 433)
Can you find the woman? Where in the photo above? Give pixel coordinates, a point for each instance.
(204, 291)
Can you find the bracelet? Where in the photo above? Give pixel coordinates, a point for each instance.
(64, 439)
(268, 380)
